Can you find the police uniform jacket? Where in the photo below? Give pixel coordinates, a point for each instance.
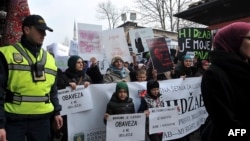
(4, 73)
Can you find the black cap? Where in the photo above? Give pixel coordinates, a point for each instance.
(36, 21)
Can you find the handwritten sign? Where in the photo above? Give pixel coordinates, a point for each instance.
(198, 40)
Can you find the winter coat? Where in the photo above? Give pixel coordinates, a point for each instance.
(116, 106)
(225, 90)
(64, 78)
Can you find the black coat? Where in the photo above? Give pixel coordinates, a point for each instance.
(116, 106)
(182, 70)
(225, 90)
(64, 78)
(94, 73)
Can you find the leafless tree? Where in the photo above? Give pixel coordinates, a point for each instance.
(107, 11)
(162, 11)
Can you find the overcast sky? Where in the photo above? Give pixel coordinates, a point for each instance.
(61, 14)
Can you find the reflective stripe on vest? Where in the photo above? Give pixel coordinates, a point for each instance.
(19, 99)
(27, 56)
(21, 67)
(30, 95)
(28, 68)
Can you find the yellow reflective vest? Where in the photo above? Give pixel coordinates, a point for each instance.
(20, 81)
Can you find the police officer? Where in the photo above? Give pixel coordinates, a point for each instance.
(28, 93)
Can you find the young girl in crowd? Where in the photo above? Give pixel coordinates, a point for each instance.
(152, 99)
(120, 102)
(141, 75)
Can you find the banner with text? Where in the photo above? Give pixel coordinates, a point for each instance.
(177, 92)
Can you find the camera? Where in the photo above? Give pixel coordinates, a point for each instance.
(38, 72)
(39, 69)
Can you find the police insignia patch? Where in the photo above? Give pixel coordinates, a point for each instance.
(18, 57)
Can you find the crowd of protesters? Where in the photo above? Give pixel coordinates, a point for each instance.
(223, 85)
(80, 73)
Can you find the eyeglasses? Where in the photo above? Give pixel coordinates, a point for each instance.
(247, 37)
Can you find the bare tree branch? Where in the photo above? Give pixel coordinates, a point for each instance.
(162, 11)
(107, 11)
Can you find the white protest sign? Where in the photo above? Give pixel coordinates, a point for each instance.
(62, 62)
(142, 34)
(89, 41)
(73, 101)
(58, 49)
(162, 118)
(73, 48)
(126, 127)
(115, 44)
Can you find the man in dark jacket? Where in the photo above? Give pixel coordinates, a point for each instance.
(28, 93)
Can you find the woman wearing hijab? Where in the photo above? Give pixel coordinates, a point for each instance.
(117, 72)
(74, 75)
(185, 69)
(202, 66)
(224, 85)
